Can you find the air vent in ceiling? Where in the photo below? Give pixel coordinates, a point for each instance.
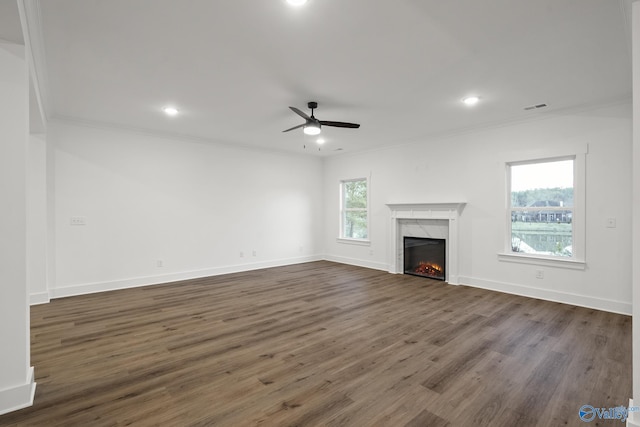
(533, 107)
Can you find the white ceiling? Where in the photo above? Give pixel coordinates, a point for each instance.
(399, 68)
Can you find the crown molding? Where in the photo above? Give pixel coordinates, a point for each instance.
(169, 136)
(551, 114)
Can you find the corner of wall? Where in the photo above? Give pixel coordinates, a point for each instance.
(18, 397)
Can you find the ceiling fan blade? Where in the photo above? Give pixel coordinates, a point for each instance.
(300, 113)
(295, 127)
(340, 124)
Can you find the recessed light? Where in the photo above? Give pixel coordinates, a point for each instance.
(320, 141)
(296, 2)
(170, 111)
(471, 100)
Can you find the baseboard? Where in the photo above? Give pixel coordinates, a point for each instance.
(357, 262)
(619, 307)
(19, 397)
(90, 288)
(613, 306)
(39, 298)
(634, 417)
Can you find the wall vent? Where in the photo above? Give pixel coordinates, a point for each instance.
(533, 107)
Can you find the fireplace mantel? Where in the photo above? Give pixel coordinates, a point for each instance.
(426, 210)
(448, 211)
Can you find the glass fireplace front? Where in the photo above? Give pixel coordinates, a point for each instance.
(425, 257)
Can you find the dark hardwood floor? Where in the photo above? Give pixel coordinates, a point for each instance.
(322, 344)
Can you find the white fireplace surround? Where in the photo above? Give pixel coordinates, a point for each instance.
(426, 215)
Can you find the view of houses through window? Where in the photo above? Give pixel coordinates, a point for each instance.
(542, 207)
(354, 209)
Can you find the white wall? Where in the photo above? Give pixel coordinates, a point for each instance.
(192, 205)
(16, 377)
(37, 218)
(636, 210)
(470, 168)
(50, 169)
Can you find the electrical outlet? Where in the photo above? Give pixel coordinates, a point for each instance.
(611, 223)
(254, 253)
(539, 274)
(78, 220)
(159, 263)
(241, 254)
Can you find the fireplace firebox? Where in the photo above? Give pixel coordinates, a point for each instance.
(425, 257)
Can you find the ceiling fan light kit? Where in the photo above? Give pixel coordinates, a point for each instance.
(312, 126)
(312, 129)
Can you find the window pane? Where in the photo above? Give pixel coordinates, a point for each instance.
(542, 184)
(355, 194)
(539, 192)
(544, 238)
(355, 224)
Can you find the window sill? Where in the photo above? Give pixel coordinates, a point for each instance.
(361, 242)
(571, 264)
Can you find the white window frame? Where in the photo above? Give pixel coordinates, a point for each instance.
(577, 260)
(341, 237)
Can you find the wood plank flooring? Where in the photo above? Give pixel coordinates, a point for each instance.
(322, 344)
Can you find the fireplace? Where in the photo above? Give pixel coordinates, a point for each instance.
(425, 257)
(434, 220)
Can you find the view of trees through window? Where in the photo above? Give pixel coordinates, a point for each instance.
(542, 208)
(354, 209)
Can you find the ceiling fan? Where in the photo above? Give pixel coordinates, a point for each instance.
(312, 125)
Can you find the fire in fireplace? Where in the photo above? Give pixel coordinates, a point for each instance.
(425, 257)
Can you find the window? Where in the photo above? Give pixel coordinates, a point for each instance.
(541, 210)
(354, 209)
